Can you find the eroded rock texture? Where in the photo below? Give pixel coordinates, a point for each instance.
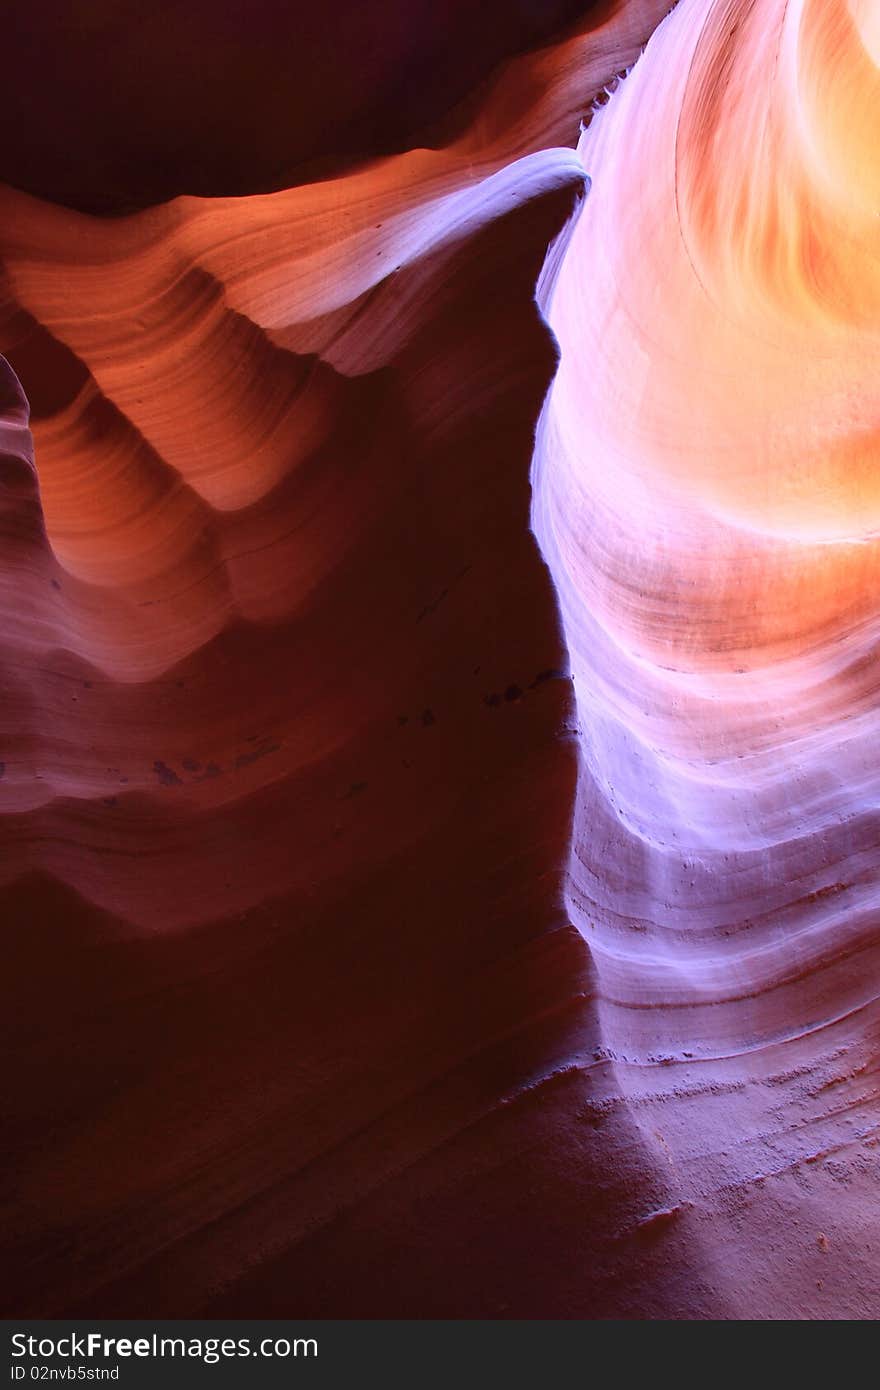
(705, 483)
(362, 964)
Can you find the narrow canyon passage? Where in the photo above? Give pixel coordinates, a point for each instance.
(438, 819)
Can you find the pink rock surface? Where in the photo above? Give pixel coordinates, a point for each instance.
(363, 964)
(704, 495)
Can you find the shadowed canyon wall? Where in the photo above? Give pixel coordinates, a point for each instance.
(408, 912)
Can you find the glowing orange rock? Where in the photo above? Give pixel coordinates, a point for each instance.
(298, 1019)
(706, 496)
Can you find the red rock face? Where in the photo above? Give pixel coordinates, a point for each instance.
(312, 1010)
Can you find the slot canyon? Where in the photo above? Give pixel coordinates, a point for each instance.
(439, 793)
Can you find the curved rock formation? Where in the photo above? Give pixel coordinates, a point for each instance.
(308, 1015)
(704, 482)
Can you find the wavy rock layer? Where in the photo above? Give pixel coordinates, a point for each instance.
(705, 479)
(298, 1022)
(301, 1021)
